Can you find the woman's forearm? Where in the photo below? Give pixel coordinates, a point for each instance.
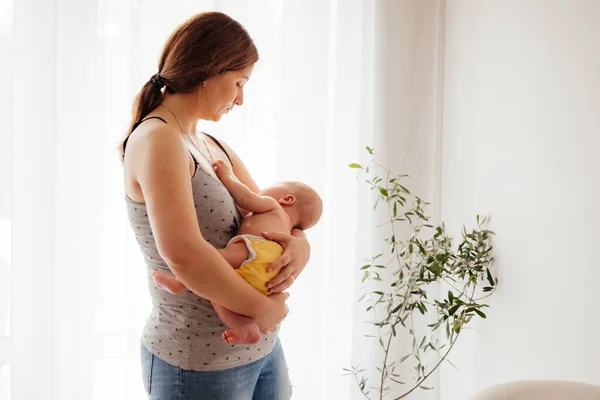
(206, 273)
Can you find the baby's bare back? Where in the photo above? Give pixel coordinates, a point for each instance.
(272, 221)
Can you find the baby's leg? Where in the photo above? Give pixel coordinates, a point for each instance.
(235, 254)
(242, 329)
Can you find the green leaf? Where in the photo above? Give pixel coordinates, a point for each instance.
(397, 381)
(456, 326)
(383, 192)
(481, 314)
(365, 266)
(450, 296)
(370, 150)
(489, 277)
(354, 165)
(426, 387)
(436, 325)
(405, 357)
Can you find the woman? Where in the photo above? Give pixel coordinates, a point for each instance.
(181, 213)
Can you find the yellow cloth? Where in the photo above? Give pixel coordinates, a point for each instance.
(263, 253)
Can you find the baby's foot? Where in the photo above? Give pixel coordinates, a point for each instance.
(245, 334)
(168, 283)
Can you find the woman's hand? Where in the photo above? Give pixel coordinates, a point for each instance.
(296, 252)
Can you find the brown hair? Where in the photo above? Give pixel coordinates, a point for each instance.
(206, 45)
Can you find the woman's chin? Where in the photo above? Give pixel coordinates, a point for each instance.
(218, 116)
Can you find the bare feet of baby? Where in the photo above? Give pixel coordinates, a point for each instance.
(168, 283)
(245, 334)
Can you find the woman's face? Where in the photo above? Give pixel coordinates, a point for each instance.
(222, 92)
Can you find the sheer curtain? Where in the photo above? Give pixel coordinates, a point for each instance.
(71, 316)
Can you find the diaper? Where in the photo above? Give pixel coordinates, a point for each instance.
(262, 253)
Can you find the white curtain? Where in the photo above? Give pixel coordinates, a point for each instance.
(69, 71)
(334, 76)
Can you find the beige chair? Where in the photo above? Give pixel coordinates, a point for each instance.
(540, 390)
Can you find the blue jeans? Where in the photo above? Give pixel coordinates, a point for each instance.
(264, 379)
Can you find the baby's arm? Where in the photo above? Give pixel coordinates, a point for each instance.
(242, 195)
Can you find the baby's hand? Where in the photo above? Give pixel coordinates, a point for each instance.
(222, 168)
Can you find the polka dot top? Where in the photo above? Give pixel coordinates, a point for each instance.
(184, 330)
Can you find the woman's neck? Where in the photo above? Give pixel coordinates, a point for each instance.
(182, 106)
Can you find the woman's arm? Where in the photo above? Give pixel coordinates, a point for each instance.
(160, 168)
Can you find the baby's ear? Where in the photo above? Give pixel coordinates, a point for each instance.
(287, 200)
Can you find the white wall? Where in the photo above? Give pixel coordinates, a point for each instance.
(521, 133)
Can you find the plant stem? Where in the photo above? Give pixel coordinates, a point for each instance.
(418, 354)
(387, 351)
(387, 348)
(430, 372)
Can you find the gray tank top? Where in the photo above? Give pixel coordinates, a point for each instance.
(184, 330)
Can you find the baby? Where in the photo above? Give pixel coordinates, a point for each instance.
(278, 208)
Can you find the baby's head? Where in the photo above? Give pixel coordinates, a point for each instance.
(300, 201)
